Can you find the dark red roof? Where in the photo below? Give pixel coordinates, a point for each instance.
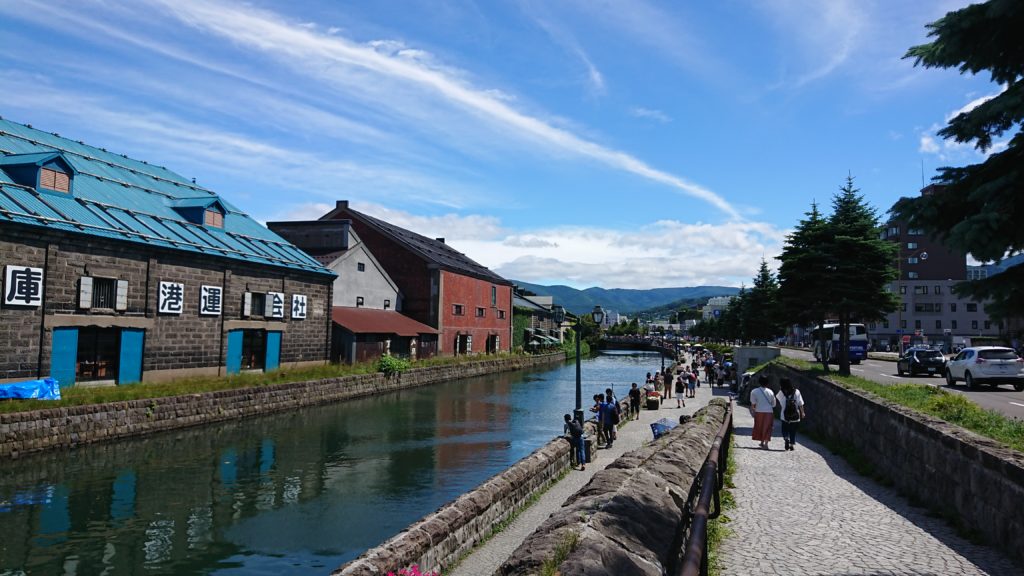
(371, 321)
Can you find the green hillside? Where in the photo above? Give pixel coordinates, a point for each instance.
(626, 301)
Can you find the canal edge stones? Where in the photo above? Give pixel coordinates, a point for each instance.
(66, 427)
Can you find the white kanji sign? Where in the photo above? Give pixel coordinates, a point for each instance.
(298, 306)
(275, 305)
(23, 286)
(171, 298)
(211, 300)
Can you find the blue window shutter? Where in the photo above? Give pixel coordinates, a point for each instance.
(234, 360)
(130, 365)
(273, 351)
(64, 355)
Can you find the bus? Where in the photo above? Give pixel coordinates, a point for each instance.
(858, 342)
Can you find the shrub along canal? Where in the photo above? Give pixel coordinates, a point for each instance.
(301, 492)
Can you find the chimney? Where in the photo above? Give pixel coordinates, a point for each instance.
(341, 205)
(441, 240)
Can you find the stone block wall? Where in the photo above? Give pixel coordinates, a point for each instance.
(628, 519)
(38, 430)
(947, 468)
(440, 538)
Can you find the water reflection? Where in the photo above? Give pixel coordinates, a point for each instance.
(290, 493)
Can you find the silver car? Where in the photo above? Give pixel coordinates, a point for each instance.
(992, 365)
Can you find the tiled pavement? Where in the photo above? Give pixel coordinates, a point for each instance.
(808, 512)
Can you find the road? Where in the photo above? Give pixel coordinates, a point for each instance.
(1002, 399)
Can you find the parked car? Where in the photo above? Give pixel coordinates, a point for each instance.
(992, 365)
(921, 361)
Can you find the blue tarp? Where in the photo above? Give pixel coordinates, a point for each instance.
(46, 389)
(662, 427)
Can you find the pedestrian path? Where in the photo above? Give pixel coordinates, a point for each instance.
(808, 512)
(487, 558)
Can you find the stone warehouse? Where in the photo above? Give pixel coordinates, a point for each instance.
(118, 271)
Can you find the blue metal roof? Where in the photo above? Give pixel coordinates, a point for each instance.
(116, 197)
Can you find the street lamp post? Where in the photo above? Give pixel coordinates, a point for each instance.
(598, 315)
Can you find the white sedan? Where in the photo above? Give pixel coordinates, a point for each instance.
(992, 365)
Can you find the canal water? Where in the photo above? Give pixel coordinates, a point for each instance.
(295, 493)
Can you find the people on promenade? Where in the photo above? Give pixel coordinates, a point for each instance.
(616, 413)
(599, 414)
(574, 431)
(762, 406)
(691, 383)
(791, 404)
(608, 421)
(668, 383)
(634, 402)
(680, 390)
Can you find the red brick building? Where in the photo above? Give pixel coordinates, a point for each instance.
(468, 304)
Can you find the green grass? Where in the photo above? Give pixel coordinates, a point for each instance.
(80, 395)
(718, 529)
(562, 551)
(953, 408)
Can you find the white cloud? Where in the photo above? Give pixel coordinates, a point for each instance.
(347, 65)
(928, 145)
(974, 104)
(564, 38)
(648, 113)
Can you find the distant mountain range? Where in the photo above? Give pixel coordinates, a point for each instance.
(623, 300)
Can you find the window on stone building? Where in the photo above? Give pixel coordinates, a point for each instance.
(501, 314)
(911, 245)
(903, 324)
(952, 324)
(494, 295)
(903, 306)
(912, 260)
(974, 324)
(988, 324)
(104, 291)
(952, 306)
(915, 232)
(937, 290)
(917, 324)
(885, 324)
(912, 275)
(972, 307)
(903, 289)
(458, 310)
(259, 304)
(920, 289)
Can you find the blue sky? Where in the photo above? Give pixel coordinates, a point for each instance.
(622, 144)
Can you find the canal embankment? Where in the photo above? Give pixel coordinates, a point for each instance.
(66, 427)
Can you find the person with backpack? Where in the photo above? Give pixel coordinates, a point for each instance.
(599, 413)
(574, 431)
(791, 404)
(762, 407)
(616, 412)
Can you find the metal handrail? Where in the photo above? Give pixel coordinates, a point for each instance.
(699, 501)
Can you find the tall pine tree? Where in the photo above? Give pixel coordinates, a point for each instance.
(862, 266)
(761, 314)
(804, 287)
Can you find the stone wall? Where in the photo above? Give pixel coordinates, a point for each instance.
(628, 518)
(947, 468)
(34, 431)
(440, 538)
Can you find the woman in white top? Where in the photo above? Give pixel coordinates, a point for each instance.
(791, 405)
(762, 404)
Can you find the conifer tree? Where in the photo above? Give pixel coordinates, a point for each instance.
(979, 208)
(761, 315)
(804, 297)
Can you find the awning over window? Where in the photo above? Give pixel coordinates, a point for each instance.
(371, 321)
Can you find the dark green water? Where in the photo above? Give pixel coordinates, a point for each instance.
(297, 493)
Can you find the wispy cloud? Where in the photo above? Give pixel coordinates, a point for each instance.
(949, 150)
(568, 42)
(344, 64)
(650, 114)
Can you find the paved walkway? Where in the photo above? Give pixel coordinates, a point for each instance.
(808, 512)
(487, 558)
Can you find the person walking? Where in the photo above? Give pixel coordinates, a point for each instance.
(608, 422)
(634, 402)
(762, 406)
(599, 414)
(574, 431)
(680, 390)
(791, 405)
(691, 383)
